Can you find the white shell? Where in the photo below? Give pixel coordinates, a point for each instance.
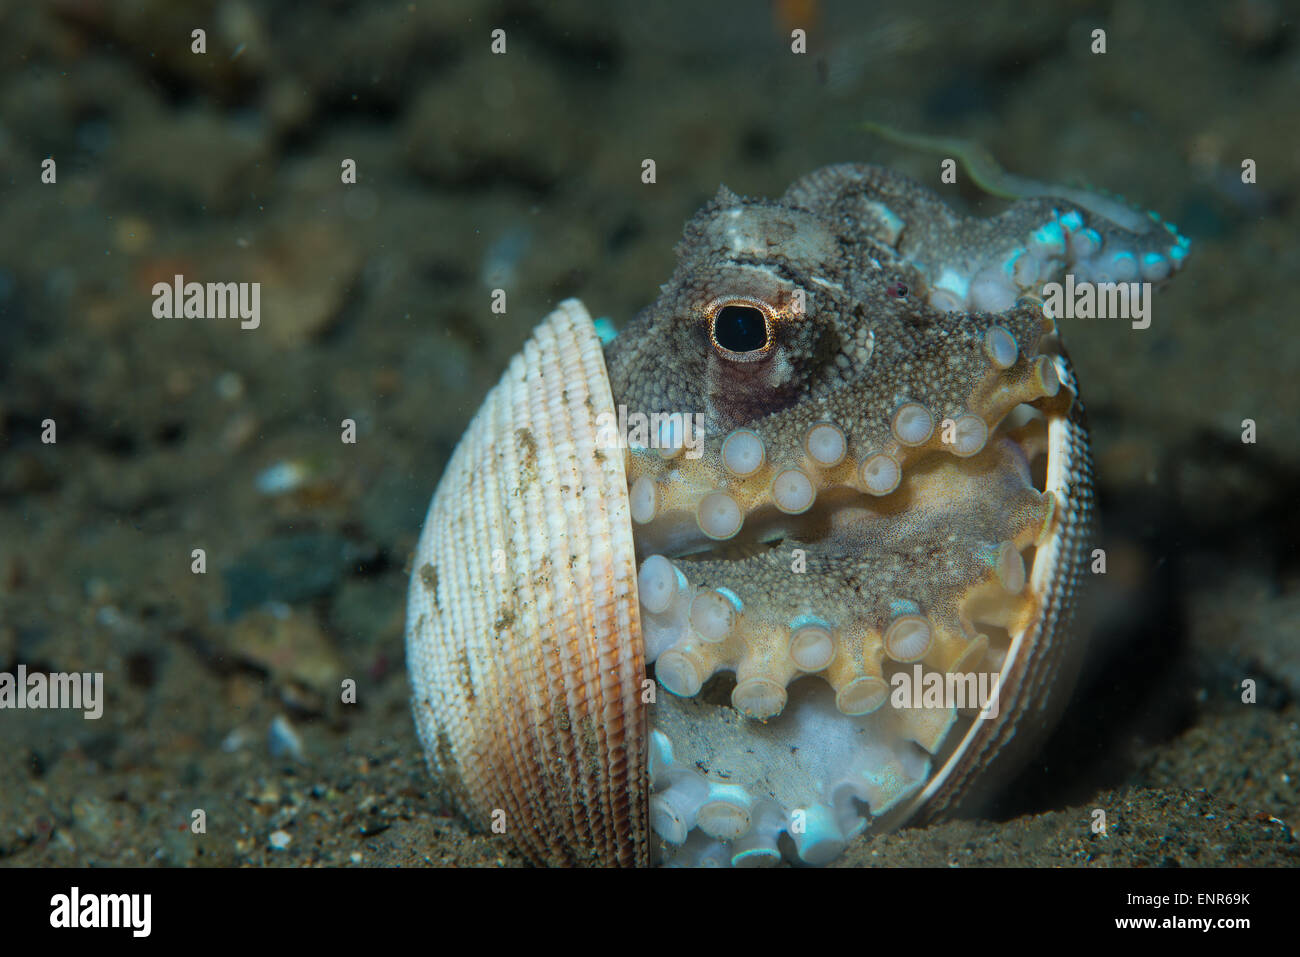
(525, 649)
(523, 633)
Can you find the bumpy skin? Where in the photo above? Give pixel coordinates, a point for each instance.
(947, 536)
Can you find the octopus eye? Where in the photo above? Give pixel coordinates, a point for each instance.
(898, 290)
(740, 329)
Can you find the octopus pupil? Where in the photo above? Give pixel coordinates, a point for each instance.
(740, 329)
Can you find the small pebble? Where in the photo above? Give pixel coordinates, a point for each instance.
(229, 386)
(283, 740)
(280, 840)
(280, 478)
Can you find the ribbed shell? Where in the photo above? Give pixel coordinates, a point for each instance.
(523, 636)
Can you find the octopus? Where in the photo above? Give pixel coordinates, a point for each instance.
(893, 443)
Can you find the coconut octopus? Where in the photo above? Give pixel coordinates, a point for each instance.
(892, 486)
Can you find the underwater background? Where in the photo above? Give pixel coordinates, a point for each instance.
(477, 171)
